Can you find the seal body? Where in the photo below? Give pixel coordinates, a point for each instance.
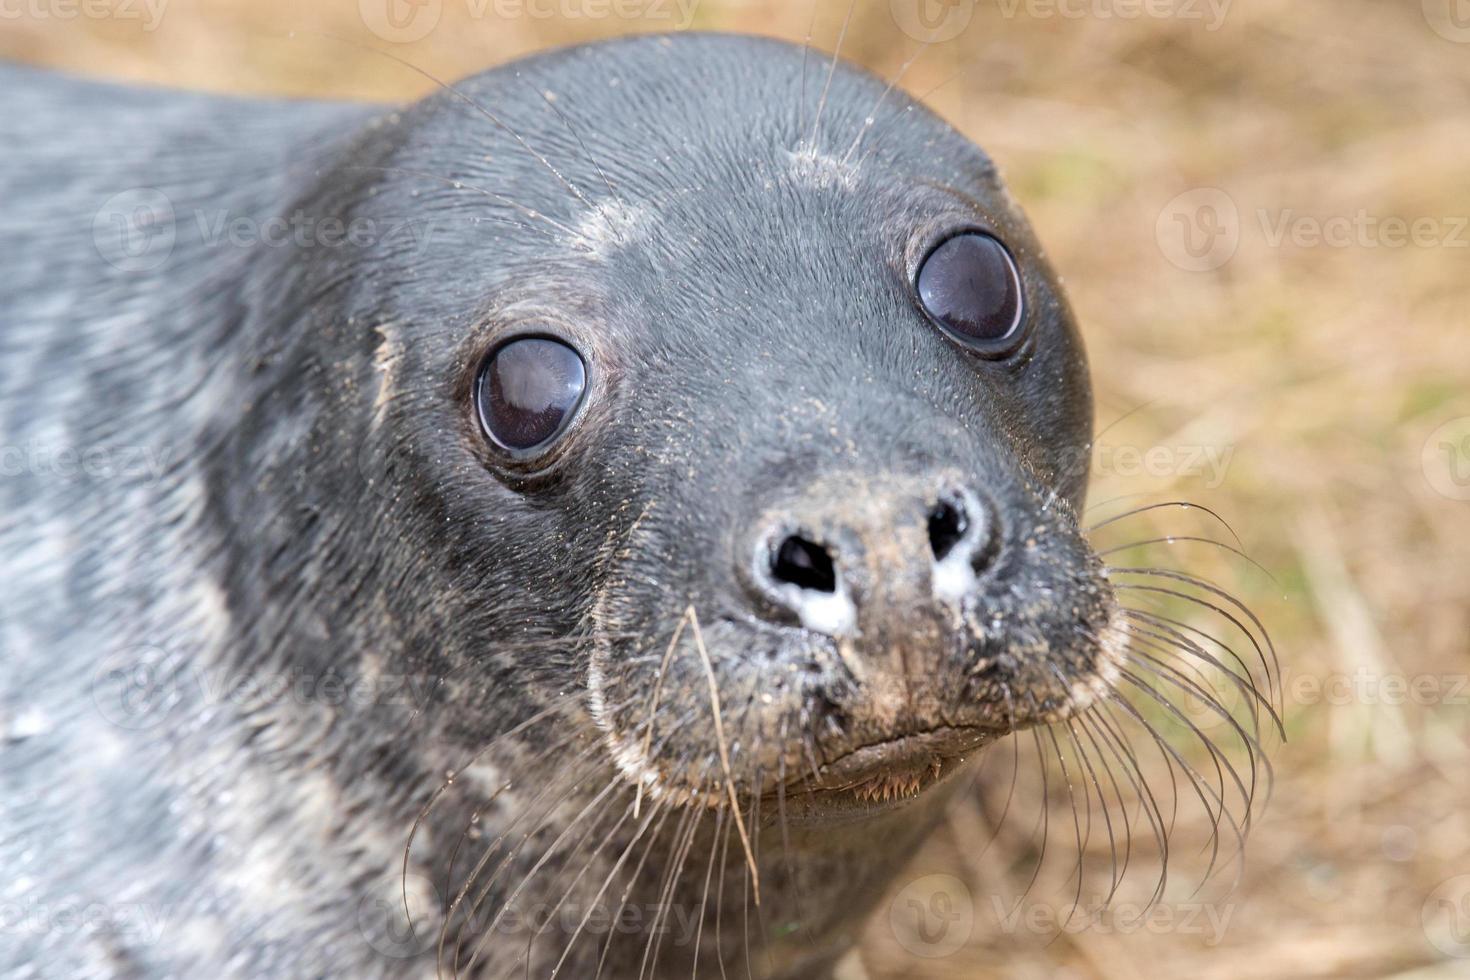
(289, 647)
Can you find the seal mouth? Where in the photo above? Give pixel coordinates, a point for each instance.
(886, 775)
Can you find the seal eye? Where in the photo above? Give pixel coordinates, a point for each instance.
(527, 392)
(969, 285)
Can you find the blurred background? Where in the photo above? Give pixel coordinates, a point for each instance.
(1260, 208)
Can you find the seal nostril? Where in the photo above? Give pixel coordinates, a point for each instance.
(947, 526)
(804, 564)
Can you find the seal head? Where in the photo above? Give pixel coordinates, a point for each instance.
(709, 463)
(776, 403)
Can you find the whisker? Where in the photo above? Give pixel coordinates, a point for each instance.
(1253, 749)
(714, 697)
(577, 135)
(1200, 787)
(428, 806)
(1196, 600)
(479, 811)
(827, 86)
(606, 837)
(1076, 822)
(870, 118)
(806, 50)
(704, 897)
(720, 900)
(786, 837)
(1209, 745)
(546, 856)
(461, 185)
(562, 785)
(1176, 640)
(658, 686)
(467, 100)
(683, 839)
(1179, 504)
(1171, 539)
(1122, 750)
(594, 904)
(1117, 870)
(633, 879)
(1044, 819)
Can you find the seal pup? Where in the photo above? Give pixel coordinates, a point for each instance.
(596, 514)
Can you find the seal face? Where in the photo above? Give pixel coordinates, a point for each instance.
(710, 459)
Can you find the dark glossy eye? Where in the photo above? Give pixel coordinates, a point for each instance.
(969, 286)
(527, 392)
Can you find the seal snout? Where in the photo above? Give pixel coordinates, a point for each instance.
(859, 563)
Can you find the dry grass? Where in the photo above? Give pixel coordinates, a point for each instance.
(1321, 370)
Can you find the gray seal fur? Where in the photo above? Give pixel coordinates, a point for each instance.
(271, 603)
